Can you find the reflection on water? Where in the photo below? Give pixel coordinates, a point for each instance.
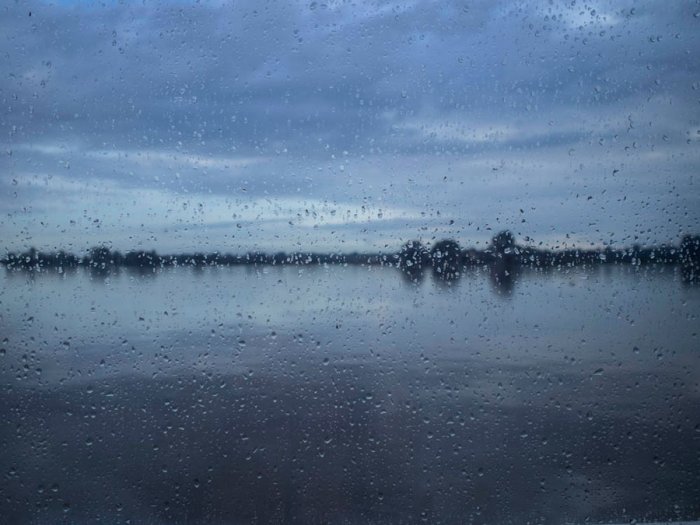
(354, 395)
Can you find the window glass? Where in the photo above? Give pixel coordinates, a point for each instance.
(349, 262)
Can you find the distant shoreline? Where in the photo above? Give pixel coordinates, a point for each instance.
(444, 257)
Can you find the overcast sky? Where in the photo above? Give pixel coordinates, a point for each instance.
(347, 125)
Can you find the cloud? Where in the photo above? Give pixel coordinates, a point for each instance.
(399, 105)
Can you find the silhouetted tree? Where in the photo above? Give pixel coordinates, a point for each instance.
(141, 259)
(99, 257)
(411, 260)
(446, 257)
(503, 243)
(101, 261)
(690, 258)
(413, 253)
(504, 264)
(66, 260)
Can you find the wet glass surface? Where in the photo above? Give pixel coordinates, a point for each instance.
(349, 395)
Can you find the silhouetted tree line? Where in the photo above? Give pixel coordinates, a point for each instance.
(445, 258)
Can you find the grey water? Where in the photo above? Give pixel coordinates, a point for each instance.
(349, 395)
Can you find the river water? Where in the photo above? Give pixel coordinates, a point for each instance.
(349, 395)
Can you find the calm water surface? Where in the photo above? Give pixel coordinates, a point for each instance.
(349, 395)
